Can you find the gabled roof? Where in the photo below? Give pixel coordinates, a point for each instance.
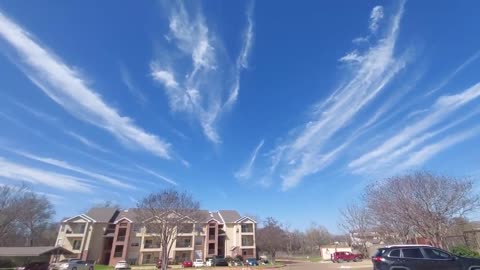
(32, 251)
(82, 216)
(103, 215)
(240, 220)
(229, 216)
(129, 214)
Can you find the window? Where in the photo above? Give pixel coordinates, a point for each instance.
(394, 253)
(247, 228)
(76, 244)
(412, 253)
(118, 251)
(135, 244)
(436, 254)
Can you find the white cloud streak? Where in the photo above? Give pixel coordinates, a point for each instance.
(246, 171)
(306, 152)
(157, 175)
(419, 157)
(131, 87)
(375, 17)
(459, 69)
(86, 141)
(19, 172)
(65, 165)
(444, 107)
(67, 88)
(210, 84)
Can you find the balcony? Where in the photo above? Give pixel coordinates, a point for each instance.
(120, 238)
(117, 254)
(247, 228)
(151, 246)
(211, 237)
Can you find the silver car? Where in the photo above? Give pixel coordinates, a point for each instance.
(72, 264)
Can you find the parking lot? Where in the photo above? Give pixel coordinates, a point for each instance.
(364, 265)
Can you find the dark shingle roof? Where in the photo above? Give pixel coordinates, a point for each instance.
(128, 213)
(103, 215)
(229, 216)
(32, 251)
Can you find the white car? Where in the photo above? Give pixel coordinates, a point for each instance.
(198, 263)
(71, 264)
(122, 265)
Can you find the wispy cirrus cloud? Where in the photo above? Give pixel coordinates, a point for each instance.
(157, 175)
(208, 85)
(401, 145)
(375, 17)
(23, 173)
(65, 165)
(246, 171)
(86, 141)
(308, 149)
(131, 87)
(68, 89)
(417, 158)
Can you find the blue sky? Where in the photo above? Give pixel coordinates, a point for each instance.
(269, 107)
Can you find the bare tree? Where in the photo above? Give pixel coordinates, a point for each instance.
(356, 221)
(271, 237)
(164, 215)
(317, 236)
(10, 206)
(24, 216)
(36, 214)
(422, 202)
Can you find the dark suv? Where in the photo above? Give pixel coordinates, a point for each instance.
(417, 257)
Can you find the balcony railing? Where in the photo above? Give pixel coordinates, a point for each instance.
(75, 231)
(121, 238)
(211, 251)
(183, 245)
(247, 243)
(151, 246)
(247, 229)
(117, 254)
(211, 237)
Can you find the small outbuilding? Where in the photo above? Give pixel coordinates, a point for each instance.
(22, 255)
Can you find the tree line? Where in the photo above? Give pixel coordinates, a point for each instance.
(25, 218)
(404, 208)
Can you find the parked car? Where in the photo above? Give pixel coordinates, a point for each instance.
(342, 256)
(122, 265)
(421, 257)
(237, 262)
(198, 263)
(251, 262)
(36, 266)
(209, 262)
(219, 261)
(71, 264)
(187, 263)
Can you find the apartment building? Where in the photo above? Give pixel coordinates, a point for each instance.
(109, 235)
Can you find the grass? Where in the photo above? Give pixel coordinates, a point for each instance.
(103, 267)
(315, 259)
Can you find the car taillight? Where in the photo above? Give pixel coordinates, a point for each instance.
(378, 259)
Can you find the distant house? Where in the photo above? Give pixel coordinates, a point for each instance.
(108, 235)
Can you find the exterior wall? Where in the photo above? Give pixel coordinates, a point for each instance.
(96, 238)
(94, 246)
(121, 241)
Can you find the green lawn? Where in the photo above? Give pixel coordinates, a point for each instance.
(103, 267)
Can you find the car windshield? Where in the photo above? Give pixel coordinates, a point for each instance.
(380, 252)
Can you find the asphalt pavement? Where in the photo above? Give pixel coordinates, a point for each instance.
(364, 265)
